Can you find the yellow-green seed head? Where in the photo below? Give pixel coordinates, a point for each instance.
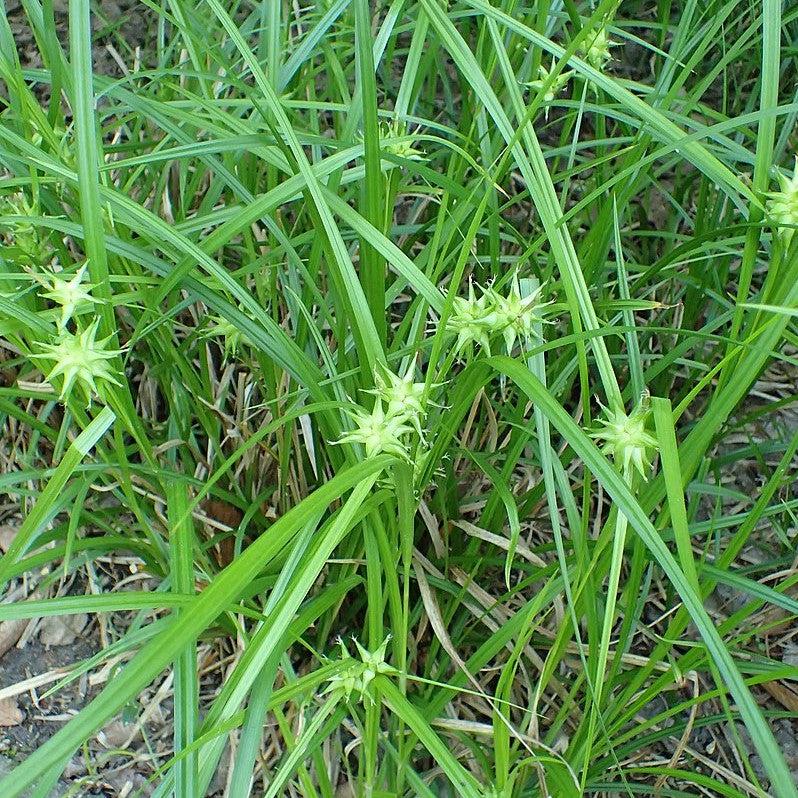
(356, 678)
(472, 320)
(517, 316)
(626, 440)
(378, 432)
(595, 48)
(21, 237)
(227, 332)
(556, 86)
(404, 398)
(782, 205)
(395, 139)
(80, 361)
(73, 297)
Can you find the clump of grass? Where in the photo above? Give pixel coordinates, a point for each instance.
(273, 266)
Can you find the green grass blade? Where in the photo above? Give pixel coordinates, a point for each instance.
(34, 520)
(159, 652)
(760, 732)
(186, 683)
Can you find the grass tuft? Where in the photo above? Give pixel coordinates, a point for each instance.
(420, 380)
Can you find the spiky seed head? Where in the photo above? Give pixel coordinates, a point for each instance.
(625, 437)
(20, 236)
(518, 316)
(81, 361)
(229, 334)
(379, 433)
(72, 295)
(472, 320)
(357, 677)
(595, 48)
(783, 205)
(395, 139)
(403, 397)
(375, 660)
(557, 85)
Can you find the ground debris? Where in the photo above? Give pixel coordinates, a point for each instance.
(62, 630)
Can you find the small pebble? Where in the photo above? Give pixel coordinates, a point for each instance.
(790, 655)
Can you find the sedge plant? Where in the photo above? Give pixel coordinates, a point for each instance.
(475, 320)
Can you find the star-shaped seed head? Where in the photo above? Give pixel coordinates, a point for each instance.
(72, 295)
(81, 361)
(21, 237)
(518, 316)
(395, 139)
(595, 48)
(403, 397)
(783, 205)
(379, 433)
(357, 677)
(472, 320)
(625, 438)
(229, 334)
(557, 85)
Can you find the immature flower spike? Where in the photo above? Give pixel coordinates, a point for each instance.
(403, 397)
(81, 361)
(394, 139)
(557, 85)
(595, 48)
(783, 205)
(517, 316)
(379, 433)
(227, 332)
(626, 439)
(21, 237)
(473, 320)
(73, 297)
(358, 675)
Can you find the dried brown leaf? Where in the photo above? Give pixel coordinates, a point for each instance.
(10, 713)
(438, 624)
(61, 630)
(7, 534)
(10, 632)
(787, 697)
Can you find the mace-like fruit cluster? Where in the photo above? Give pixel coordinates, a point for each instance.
(76, 357)
(478, 320)
(399, 408)
(356, 678)
(595, 47)
(81, 361)
(626, 439)
(783, 205)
